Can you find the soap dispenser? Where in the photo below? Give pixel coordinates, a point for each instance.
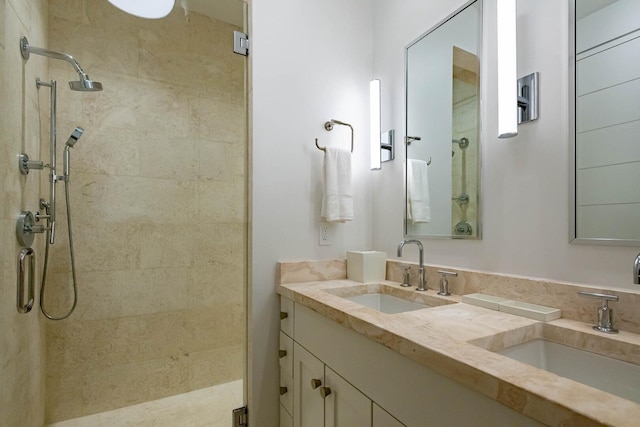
(444, 283)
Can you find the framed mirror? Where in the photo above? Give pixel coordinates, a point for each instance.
(442, 173)
(605, 121)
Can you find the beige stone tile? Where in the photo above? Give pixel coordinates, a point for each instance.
(3, 17)
(216, 366)
(217, 283)
(167, 156)
(98, 246)
(133, 200)
(217, 121)
(104, 150)
(217, 327)
(220, 161)
(220, 243)
(132, 292)
(32, 16)
(68, 9)
(167, 245)
(210, 407)
(137, 104)
(220, 202)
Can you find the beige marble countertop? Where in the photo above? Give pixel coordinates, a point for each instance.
(454, 340)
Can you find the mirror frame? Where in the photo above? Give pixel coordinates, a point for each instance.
(573, 139)
(479, 208)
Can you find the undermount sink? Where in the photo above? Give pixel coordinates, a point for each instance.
(594, 359)
(601, 372)
(386, 303)
(388, 299)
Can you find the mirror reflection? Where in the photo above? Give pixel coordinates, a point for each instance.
(607, 84)
(442, 180)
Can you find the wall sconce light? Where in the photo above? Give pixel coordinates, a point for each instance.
(382, 146)
(374, 122)
(150, 9)
(517, 98)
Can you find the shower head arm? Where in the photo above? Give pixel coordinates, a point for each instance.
(26, 49)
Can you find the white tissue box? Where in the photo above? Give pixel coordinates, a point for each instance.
(366, 266)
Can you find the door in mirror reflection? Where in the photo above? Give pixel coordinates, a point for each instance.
(442, 178)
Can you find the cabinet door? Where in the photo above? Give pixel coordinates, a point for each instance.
(381, 418)
(308, 374)
(345, 406)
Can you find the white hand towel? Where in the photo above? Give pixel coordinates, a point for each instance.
(337, 200)
(418, 201)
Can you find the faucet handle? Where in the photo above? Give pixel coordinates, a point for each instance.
(444, 283)
(605, 314)
(405, 276)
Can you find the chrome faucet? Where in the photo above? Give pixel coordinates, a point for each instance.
(421, 266)
(605, 314)
(636, 270)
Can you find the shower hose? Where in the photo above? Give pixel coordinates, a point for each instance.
(73, 263)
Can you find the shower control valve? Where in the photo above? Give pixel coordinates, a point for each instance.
(26, 228)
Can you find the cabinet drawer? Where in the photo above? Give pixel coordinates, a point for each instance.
(286, 316)
(286, 391)
(285, 353)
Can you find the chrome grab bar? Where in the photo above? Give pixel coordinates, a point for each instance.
(22, 257)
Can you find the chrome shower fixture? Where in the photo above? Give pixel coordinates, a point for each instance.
(75, 136)
(84, 84)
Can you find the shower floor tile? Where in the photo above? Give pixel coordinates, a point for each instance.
(208, 407)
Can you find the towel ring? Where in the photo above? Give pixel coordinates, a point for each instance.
(329, 126)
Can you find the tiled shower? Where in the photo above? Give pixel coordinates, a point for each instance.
(158, 201)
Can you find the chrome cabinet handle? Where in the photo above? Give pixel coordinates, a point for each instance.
(283, 391)
(315, 383)
(283, 315)
(22, 257)
(325, 391)
(282, 353)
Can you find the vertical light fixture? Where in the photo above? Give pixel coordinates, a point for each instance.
(374, 121)
(507, 70)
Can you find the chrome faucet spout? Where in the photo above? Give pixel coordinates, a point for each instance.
(636, 271)
(421, 286)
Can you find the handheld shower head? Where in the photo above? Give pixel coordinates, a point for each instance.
(75, 136)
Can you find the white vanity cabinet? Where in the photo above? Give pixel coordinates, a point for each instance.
(322, 398)
(374, 386)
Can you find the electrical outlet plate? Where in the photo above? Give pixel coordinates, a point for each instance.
(324, 238)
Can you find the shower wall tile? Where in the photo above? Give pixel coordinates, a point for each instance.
(222, 364)
(220, 243)
(217, 121)
(217, 283)
(219, 161)
(159, 206)
(21, 338)
(221, 202)
(166, 245)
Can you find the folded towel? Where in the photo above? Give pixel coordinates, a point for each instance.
(337, 200)
(418, 202)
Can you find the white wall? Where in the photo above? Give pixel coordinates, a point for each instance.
(311, 61)
(525, 179)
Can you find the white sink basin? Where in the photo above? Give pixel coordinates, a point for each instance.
(386, 303)
(388, 299)
(601, 372)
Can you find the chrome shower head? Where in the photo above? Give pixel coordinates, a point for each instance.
(74, 137)
(84, 84)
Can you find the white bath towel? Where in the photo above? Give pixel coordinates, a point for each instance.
(418, 202)
(337, 200)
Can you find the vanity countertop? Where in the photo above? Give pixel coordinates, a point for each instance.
(440, 338)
